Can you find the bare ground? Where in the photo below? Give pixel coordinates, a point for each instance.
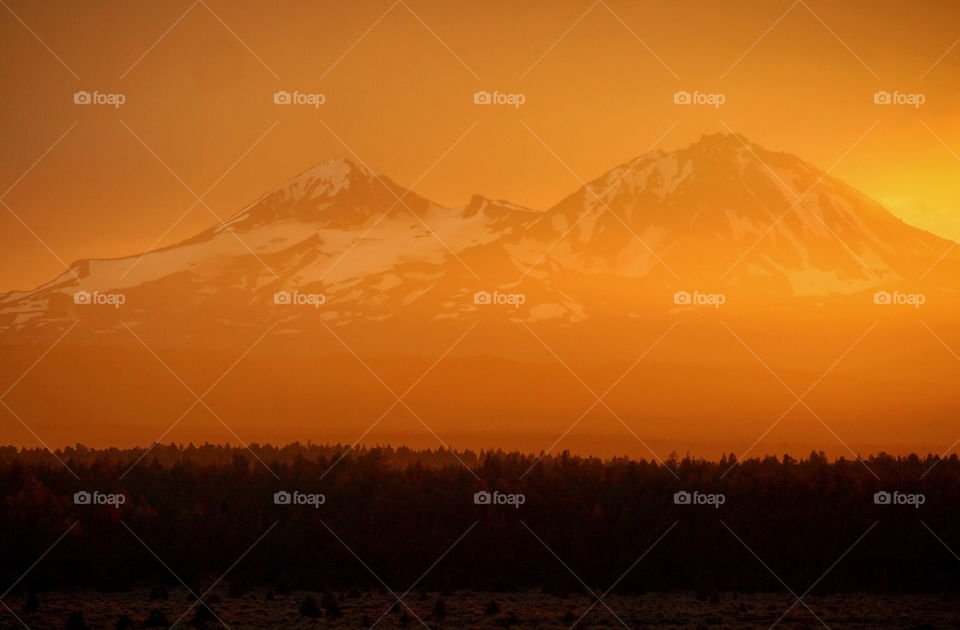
(520, 611)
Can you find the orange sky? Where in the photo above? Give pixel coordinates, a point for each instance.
(399, 97)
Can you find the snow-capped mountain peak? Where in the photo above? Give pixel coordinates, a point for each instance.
(722, 210)
(329, 178)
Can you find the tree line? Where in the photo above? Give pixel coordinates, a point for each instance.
(396, 518)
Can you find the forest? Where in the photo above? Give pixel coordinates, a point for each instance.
(320, 517)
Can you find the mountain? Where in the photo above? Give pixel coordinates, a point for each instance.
(338, 229)
(727, 209)
(721, 214)
(690, 282)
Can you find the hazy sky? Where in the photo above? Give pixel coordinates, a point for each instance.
(598, 80)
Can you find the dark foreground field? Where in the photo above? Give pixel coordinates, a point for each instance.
(313, 536)
(263, 609)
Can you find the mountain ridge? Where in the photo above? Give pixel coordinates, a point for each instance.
(340, 228)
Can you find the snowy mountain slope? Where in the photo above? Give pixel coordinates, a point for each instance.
(727, 207)
(722, 212)
(331, 229)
